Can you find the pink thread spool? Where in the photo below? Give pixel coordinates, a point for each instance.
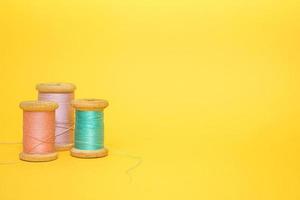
(38, 131)
(62, 94)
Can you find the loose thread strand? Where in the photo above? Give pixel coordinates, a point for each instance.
(129, 171)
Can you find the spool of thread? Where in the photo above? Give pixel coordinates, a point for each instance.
(38, 131)
(89, 128)
(62, 94)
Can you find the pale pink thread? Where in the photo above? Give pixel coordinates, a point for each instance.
(38, 130)
(64, 116)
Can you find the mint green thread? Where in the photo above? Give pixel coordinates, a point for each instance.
(89, 130)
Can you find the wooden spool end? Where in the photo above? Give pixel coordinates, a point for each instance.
(90, 104)
(55, 87)
(63, 147)
(32, 106)
(89, 153)
(38, 157)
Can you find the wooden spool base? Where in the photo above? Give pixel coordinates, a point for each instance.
(63, 147)
(38, 157)
(89, 153)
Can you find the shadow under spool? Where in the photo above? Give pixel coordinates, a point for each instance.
(89, 106)
(38, 131)
(62, 94)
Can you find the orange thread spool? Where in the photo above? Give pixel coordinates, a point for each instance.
(38, 131)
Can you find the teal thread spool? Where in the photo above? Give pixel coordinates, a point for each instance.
(89, 128)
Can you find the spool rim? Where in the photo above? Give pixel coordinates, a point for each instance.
(90, 104)
(63, 147)
(89, 153)
(38, 157)
(38, 105)
(55, 87)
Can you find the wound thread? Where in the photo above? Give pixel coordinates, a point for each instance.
(89, 130)
(64, 116)
(38, 132)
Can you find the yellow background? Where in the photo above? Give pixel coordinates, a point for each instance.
(204, 96)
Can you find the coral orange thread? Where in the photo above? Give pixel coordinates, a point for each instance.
(38, 130)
